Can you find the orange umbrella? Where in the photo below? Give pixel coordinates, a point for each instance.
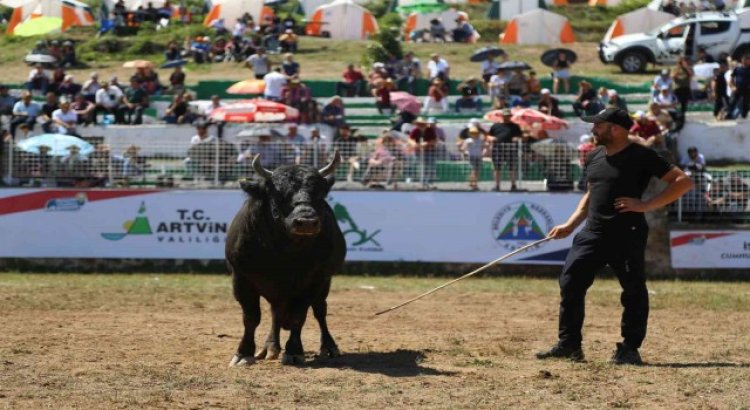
(247, 87)
(139, 64)
(256, 110)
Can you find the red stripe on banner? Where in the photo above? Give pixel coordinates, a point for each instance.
(687, 238)
(38, 199)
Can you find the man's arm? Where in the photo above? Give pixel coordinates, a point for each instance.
(578, 216)
(678, 183)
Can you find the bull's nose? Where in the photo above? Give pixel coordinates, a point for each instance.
(306, 226)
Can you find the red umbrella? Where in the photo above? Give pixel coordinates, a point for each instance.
(527, 117)
(405, 102)
(257, 110)
(247, 87)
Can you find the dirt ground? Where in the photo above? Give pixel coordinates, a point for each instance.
(164, 341)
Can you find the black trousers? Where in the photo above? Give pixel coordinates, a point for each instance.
(623, 250)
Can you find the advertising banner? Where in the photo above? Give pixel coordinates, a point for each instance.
(729, 249)
(378, 226)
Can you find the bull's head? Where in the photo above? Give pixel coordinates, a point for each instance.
(295, 194)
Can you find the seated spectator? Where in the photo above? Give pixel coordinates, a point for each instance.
(215, 103)
(732, 198)
(296, 94)
(533, 85)
(489, 68)
(269, 150)
(437, 67)
(218, 51)
(518, 83)
(173, 52)
(407, 72)
(523, 102)
(68, 55)
(178, 111)
(586, 103)
(603, 95)
(177, 80)
(475, 148)
(464, 31)
(437, 97)
(132, 104)
(72, 168)
(64, 119)
(666, 99)
(385, 162)
(695, 161)
(549, 104)
(647, 132)
(660, 81)
(218, 26)
(68, 88)
(662, 117)
(114, 82)
(289, 23)
(289, 66)
(402, 118)
(382, 94)
(333, 112)
(351, 83)
(199, 49)
(259, 63)
(107, 99)
(49, 106)
(25, 112)
(58, 76)
(55, 50)
(275, 82)
(288, 41)
(38, 80)
(470, 99)
(437, 31)
(91, 86)
(615, 100)
(7, 101)
(133, 164)
(84, 109)
(294, 145)
(317, 150)
(151, 82)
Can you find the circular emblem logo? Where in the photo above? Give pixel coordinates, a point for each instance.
(520, 223)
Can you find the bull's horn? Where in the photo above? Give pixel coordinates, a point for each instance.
(259, 170)
(328, 169)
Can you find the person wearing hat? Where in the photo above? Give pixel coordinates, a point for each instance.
(549, 104)
(660, 81)
(507, 136)
(65, 119)
(425, 141)
(617, 173)
(615, 100)
(666, 99)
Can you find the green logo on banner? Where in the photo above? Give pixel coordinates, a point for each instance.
(356, 238)
(137, 226)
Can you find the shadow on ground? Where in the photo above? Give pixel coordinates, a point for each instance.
(399, 363)
(706, 365)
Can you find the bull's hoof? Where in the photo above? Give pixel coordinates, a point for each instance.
(238, 360)
(293, 359)
(329, 352)
(268, 353)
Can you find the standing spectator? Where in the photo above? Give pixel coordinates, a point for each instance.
(91, 86)
(173, 51)
(584, 148)
(275, 82)
(497, 86)
(178, 111)
(38, 80)
(561, 72)
(660, 81)
(533, 85)
(296, 94)
(346, 144)
(665, 99)
(437, 67)
(107, 99)
(202, 135)
(382, 94)
(68, 88)
(24, 112)
(295, 145)
(740, 85)
(424, 140)
(65, 119)
(177, 80)
(289, 66)
(132, 103)
(288, 41)
(407, 73)
(351, 82)
(238, 31)
(695, 161)
(505, 145)
(475, 147)
(333, 112)
(719, 88)
(549, 104)
(437, 97)
(683, 76)
(259, 63)
(702, 57)
(84, 109)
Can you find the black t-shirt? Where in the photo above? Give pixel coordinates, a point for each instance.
(504, 133)
(625, 174)
(741, 77)
(720, 85)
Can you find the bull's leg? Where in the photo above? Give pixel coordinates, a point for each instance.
(328, 346)
(250, 302)
(272, 347)
(293, 352)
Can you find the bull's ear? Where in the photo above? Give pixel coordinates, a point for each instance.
(252, 187)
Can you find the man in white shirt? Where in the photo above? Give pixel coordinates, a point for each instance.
(65, 119)
(91, 86)
(107, 98)
(259, 63)
(438, 67)
(660, 81)
(489, 68)
(665, 99)
(275, 81)
(38, 79)
(25, 112)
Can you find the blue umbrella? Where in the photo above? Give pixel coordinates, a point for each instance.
(58, 144)
(174, 63)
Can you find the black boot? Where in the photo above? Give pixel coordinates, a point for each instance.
(561, 352)
(626, 355)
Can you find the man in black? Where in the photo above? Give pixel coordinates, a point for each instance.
(741, 86)
(505, 147)
(615, 234)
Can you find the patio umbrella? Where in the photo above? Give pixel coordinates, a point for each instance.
(257, 110)
(38, 26)
(485, 53)
(422, 7)
(40, 59)
(247, 87)
(139, 64)
(58, 144)
(528, 116)
(548, 57)
(174, 63)
(405, 102)
(514, 65)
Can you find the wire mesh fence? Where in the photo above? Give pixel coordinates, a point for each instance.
(719, 196)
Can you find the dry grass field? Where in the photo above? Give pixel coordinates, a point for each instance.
(164, 341)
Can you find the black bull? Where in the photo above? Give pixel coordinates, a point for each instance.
(284, 244)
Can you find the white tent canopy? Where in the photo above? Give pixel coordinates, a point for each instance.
(538, 27)
(71, 12)
(232, 10)
(512, 8)
(344, 20)
(637, 21)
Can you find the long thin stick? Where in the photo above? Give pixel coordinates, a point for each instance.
(474, 272)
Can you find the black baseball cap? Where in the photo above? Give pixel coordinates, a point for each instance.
(616, 116)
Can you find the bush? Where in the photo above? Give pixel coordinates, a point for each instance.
(378, 8)
(489, 30)
(391, 21)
